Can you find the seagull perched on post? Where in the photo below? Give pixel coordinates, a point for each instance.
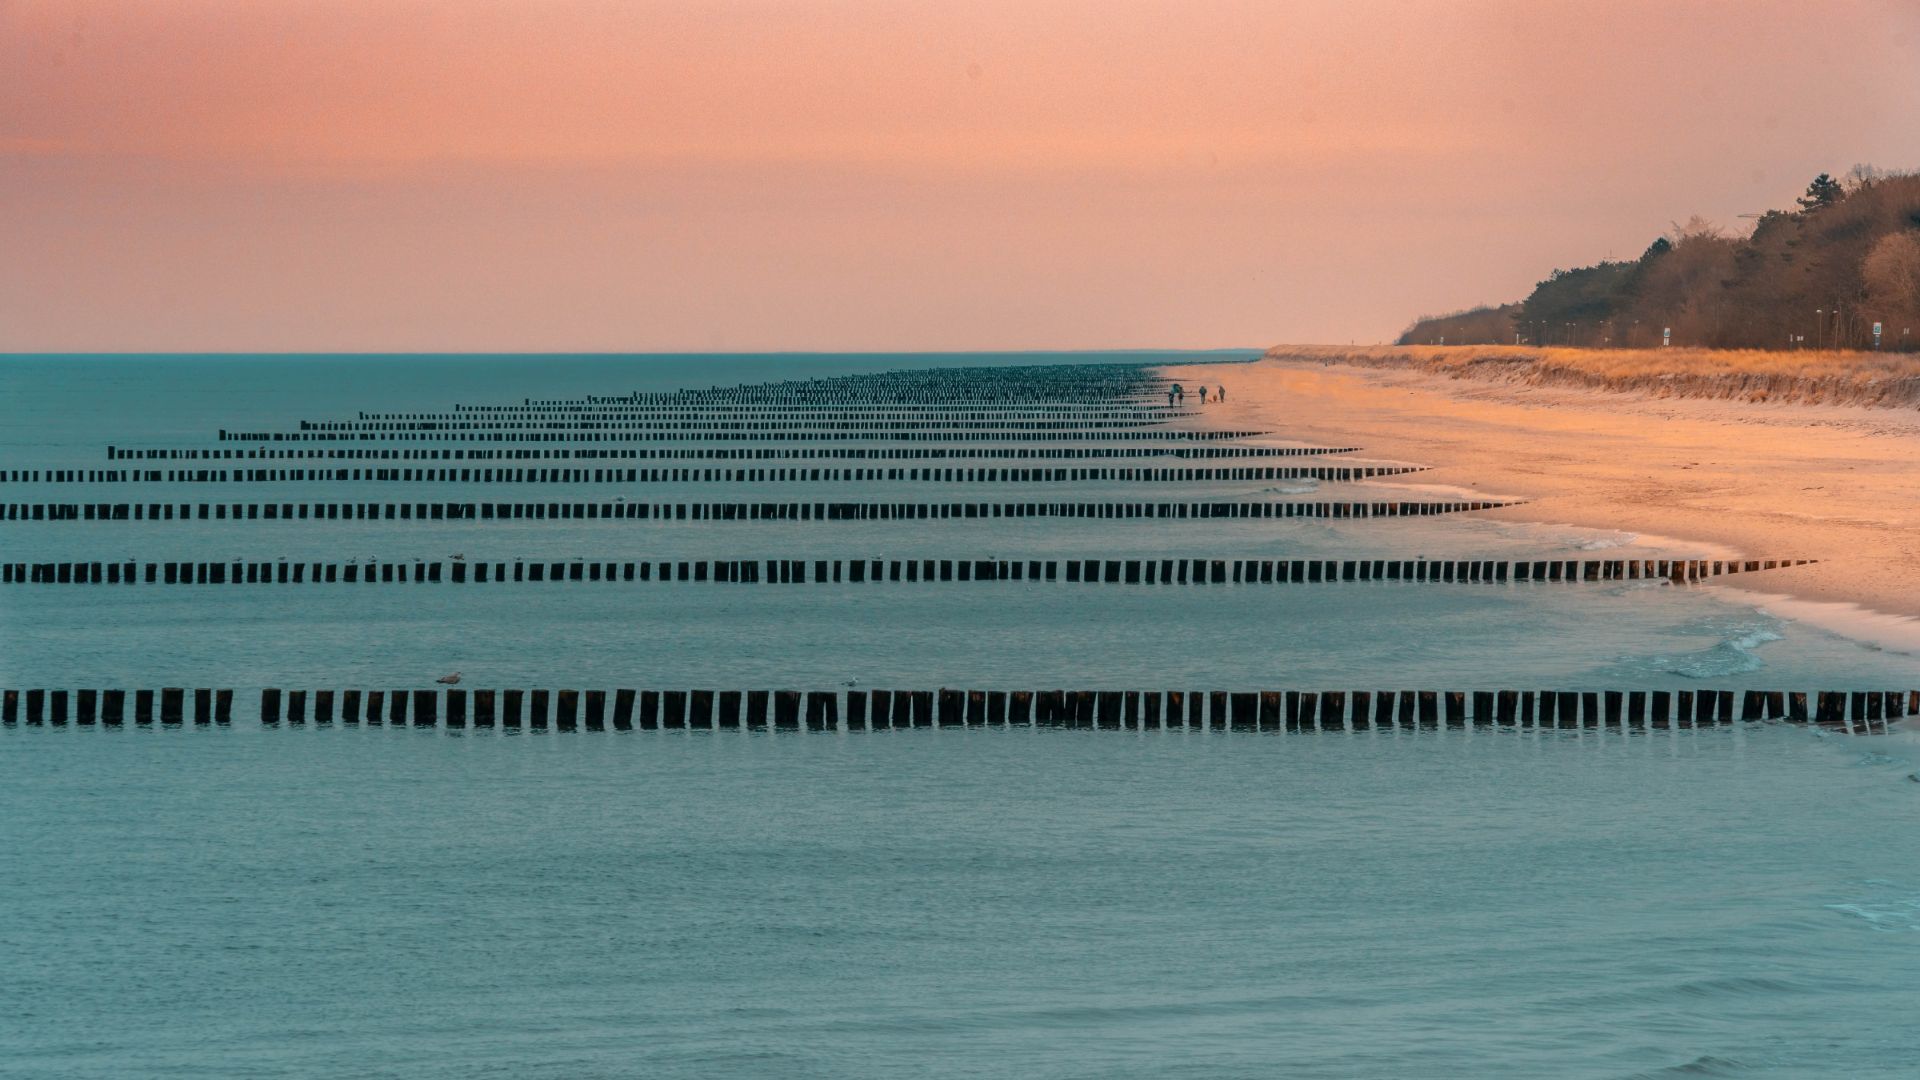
(449, 680)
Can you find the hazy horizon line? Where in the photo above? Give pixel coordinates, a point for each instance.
(610, 353)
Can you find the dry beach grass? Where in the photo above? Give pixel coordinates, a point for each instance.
(1807, 377)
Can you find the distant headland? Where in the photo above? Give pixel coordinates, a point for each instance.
(1839, 271)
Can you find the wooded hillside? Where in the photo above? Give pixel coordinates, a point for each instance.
(1817, 276)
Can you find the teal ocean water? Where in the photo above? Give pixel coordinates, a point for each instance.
(353, 901)
(381, 902)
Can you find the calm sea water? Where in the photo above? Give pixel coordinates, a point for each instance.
(940, 904)
(346, 901)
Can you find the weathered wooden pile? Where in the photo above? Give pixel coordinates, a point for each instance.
(1340, 474)
(749, 453)
(1183, 571)
(619, 509)
(1858, 712)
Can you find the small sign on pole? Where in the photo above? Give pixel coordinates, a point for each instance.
(1666, 336)
(1876, 335)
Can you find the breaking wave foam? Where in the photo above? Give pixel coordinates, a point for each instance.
(1735, 653)
(1734, 656)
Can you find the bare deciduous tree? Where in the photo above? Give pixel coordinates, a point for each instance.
(1892, 272)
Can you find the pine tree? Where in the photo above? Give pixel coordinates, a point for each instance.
(1823, 192)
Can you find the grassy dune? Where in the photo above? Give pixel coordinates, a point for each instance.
(1884, 380)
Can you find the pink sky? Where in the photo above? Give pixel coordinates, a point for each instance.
(566, 174)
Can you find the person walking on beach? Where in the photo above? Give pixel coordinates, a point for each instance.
(1220, 394)
(1203, 395)
(1169, 399)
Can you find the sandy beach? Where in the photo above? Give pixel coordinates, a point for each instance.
(1835, 483)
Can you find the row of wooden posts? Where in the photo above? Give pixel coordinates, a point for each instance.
(621, 509)
(111, 707)
(716, 453)
(1145, 395)
(604, 435)
(1097, 380)
(1094, 410)
(863, 710)
(1138, 404)
(1184, 571)
(1044, 383)
(825, 424)
(709, 474)
(982, 409)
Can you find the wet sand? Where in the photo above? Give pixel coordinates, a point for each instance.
(1834, 483)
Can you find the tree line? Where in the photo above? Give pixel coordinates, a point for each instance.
(1817, 276)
